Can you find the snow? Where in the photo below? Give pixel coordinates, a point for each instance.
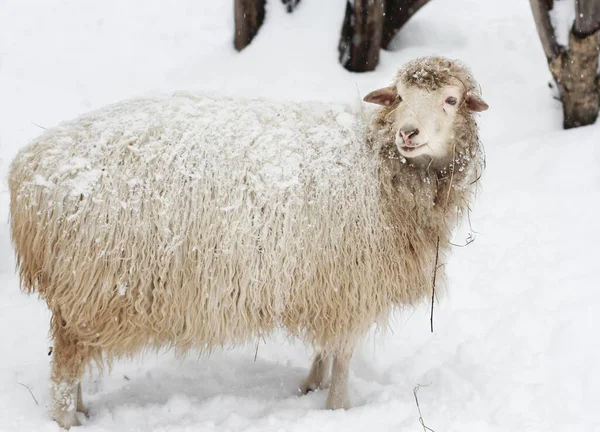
(562, 17)
(514, 343)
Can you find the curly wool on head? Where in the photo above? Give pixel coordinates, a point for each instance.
(432, 73)
(195, 221)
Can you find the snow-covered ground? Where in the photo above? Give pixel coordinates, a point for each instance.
(515, 345)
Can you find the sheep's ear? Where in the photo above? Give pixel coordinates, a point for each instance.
(384, 96)
(475, 103)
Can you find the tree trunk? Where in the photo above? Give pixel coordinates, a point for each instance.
(361, 35)
(397, 13)
(249, 16)
(575, 72)
(574, 68)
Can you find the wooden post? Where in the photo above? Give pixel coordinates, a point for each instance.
(361, 35)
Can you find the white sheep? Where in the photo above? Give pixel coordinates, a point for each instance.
(200, 222)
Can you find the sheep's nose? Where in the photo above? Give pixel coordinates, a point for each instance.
(409, 133)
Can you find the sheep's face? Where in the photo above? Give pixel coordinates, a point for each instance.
(428, 108)
(423, 121)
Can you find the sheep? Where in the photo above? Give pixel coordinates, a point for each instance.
(196, 221)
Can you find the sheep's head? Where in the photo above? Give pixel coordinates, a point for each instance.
(429, 110)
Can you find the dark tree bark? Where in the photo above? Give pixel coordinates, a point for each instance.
(397, 13)
(249, 16)
(574, 68)
(361, 35)
(587, 17)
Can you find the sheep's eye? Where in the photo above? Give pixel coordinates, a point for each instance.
(451, 100)
(398, 98)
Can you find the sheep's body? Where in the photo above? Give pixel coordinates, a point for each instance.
(201, 222)
(193, 221)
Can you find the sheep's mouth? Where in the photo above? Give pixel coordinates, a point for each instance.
(412, 148)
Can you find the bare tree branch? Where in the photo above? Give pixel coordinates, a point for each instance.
(30, 392)
(541, 15)
(435, 269)
(415, 390)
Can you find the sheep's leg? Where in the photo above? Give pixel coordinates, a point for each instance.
(338, 393)
(67, 369)
(318, 378)
(64, 395)
(80, 406)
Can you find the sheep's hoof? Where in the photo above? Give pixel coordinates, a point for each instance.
(67, 420)
(310, 386)
(306, 388)
(84, 411)
(336, 402)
